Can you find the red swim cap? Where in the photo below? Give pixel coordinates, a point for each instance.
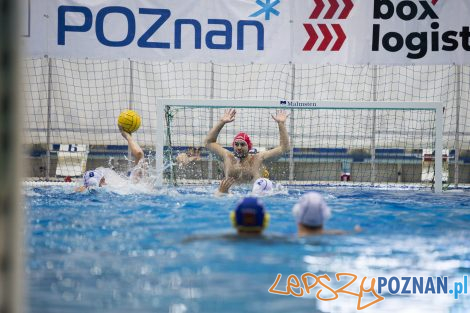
(245, 138)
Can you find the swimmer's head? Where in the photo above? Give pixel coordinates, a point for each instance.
(311, 210)
(250, 216)
(241, 145)
(93, 178)
(262, 186)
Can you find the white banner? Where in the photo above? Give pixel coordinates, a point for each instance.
(259, 31)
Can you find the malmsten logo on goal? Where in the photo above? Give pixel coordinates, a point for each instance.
(297, 103)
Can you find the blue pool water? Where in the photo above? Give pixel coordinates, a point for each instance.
(165, 251)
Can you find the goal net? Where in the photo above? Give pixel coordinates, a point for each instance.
(351, 143)
(72, 105)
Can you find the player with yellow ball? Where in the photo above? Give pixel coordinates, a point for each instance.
(128, 122)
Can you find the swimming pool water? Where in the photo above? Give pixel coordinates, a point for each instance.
(166, 252)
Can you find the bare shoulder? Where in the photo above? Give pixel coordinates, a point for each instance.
(257, 158)
(229, 156)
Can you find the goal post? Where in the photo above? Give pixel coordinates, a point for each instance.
(332, 142)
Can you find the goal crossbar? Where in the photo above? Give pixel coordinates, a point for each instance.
(300, 104)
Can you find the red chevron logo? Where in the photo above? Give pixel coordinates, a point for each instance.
(334, 6)
(319, 5)
(348, 5)
(312, 37)
(327, 37)
(434, 2)
(341, 37)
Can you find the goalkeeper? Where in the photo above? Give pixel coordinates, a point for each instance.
(240, 165)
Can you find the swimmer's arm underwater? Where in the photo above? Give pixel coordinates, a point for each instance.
(280, 118)
(304, 231)
(211, 139)
(80, 189)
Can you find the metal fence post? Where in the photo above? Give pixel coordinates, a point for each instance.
(292, 130)
(457, 122)
(49, 116)
(373, 171)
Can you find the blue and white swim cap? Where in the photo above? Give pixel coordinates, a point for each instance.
(262, 186)
(92, 178)
(311, 210)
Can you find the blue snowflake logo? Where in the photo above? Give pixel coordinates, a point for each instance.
(267, 7)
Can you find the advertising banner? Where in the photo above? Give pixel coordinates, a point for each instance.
(245, 31)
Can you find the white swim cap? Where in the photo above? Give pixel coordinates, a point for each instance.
(92, 178)
(262, 186)
(311, 210)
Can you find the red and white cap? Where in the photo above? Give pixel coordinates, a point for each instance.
(243, 136)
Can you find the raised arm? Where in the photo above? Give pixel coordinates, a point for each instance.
(211, 138)
(280, 118)
(136, 150)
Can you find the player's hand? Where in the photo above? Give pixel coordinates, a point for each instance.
(280, 117)
(225, 184)
(182, 159)
(229, 116)
(123, 132)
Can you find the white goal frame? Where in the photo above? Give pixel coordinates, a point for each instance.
(304, 104)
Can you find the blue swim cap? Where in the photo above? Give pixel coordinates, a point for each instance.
(250, 215)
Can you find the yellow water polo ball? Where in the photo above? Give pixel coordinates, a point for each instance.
(129, 120)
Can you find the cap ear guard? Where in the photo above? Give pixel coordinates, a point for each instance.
(232, 219)
(266, 220)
